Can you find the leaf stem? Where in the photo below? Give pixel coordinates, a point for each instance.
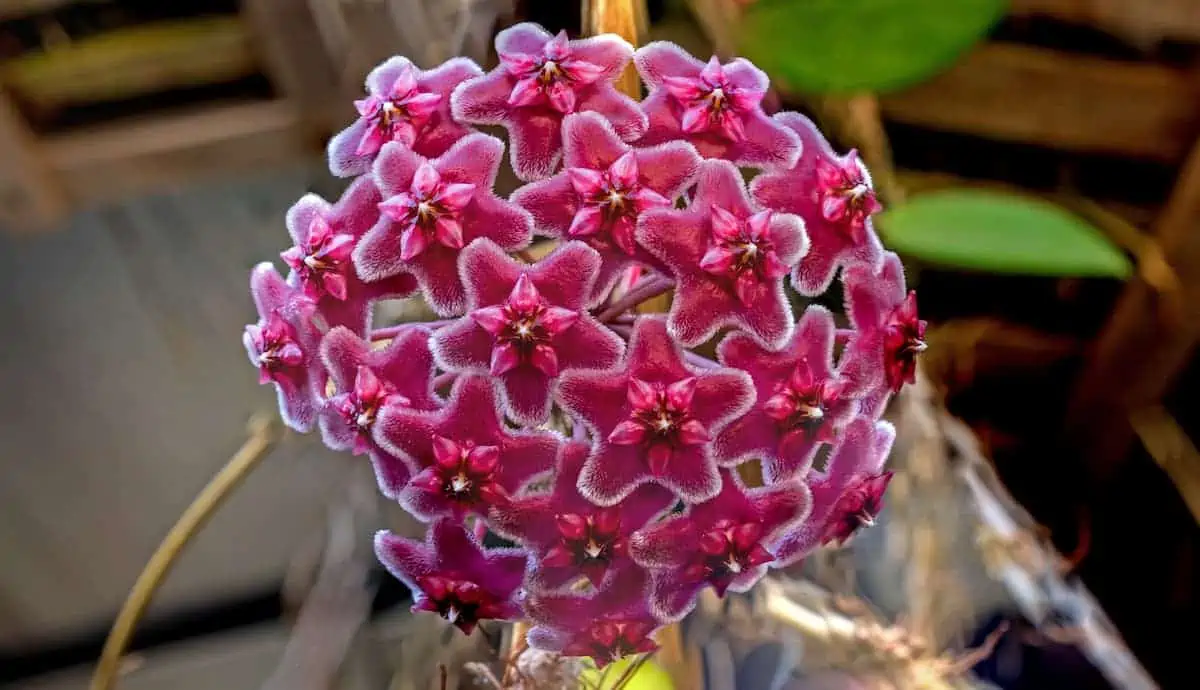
(646, 289)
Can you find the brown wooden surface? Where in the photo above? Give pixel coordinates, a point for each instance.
(1136, 19)
(29, 194)
(1148, 340)
(115, 161)
(1072, 102)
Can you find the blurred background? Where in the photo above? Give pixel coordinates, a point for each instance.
(1040, 164)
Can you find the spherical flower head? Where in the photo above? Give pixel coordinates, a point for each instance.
(405, 105)
(716, 107)
(452, 575)
(541, 79)
(527, 324)
(604, 189)
(835, 197)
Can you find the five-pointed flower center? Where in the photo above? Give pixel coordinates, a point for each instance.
(728, 549)
(359, 407)
(801, 403)
(904, 339)
(276, 350)
(660, 420)
(397, 116)
(845, 195)
(430, 211)
(524, 328)
(322, 261)
(461, 602)
(552, 78)
(464, 473)
(712, 102)
(612, 199)
(742, 251)
(608, 640)
(858, 507)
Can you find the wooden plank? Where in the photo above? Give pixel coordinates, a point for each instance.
(1148, 340)
(29, 194)
(1140, 21)
(1071, 102)
(119, 160)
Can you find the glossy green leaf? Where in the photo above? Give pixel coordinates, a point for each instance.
(832, 46)
(999, 233)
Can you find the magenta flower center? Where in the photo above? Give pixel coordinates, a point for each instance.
(429, 212)
(609, 640)
(712, 102)
(612, 199)
(846, 196)
(742, 251)
(857, 508)
(589, 543)
(322, 261)
(460, 602)
(397, 117)
(465, 474)
(359, 407)
(277, 352)
(801, 403)
(904, 339)
(524, 328)
(727, 550)
(553, 78)
(660, 420)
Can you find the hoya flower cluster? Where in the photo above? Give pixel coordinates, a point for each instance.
(543, 408)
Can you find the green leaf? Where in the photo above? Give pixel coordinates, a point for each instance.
(831, 46)
(1000, 233)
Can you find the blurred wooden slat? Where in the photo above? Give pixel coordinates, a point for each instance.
(1128, 18)
(1071, 102)
(114, 161)
(15, 9)
(1174, 452)
(29, 194)
(133, 61)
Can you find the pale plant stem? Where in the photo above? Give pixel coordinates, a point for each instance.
(389, 332)
(444, 379)
(645, 290)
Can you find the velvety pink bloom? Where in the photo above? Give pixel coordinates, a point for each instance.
(406, 105)
(802, 400)
(468, 460)
(605, 187)
(653, 418)
(431, 210)
(320, 260)
(834, 196)
(569, 535)
(284, 346)
(365, 381)
(728, 258)
(540, 80)
(604, 626)
(889, 334)
(716, 107)
(452, 575)
(724, 542)
(527, 324)
(853, 472)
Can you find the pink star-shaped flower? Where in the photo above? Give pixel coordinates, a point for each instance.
(889, 335)
(527, 324)
(847, 493)
(540, 80)
(728, 258)
(569, 535)
(834, 196)
(365, 381)
(406, 105)
(431, 210)
(604, 626)
(724, 542)
(604, 189)
(321, 264)
(802, 399)
(468, 460)
(716, 107)
(653, 418)
(284, 346)
(452, 575)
